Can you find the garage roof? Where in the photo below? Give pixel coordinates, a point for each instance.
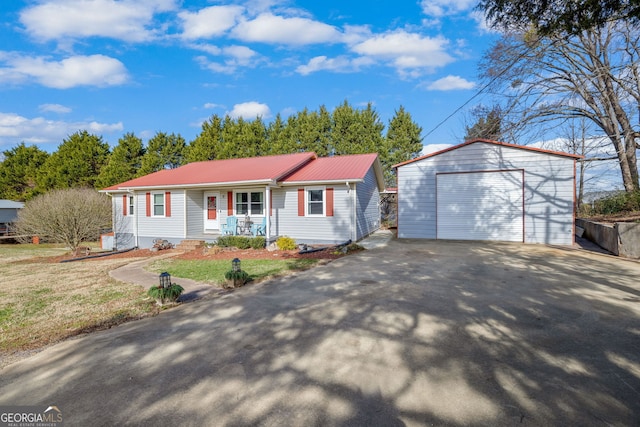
(488, 141)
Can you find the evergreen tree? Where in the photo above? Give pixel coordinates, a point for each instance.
(488, 124)
(124, 162)
(18, 172)
(278, 137)
(356, 131)
(402, 142)
(205, 146)
(163, 152)
(77, 162)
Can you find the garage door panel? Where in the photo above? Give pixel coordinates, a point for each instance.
(480, 206)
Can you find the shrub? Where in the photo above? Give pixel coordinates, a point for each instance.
(285, 243)
(240, 242)
(168, 294)
(618, 203)
(258, 242)
(236, 278)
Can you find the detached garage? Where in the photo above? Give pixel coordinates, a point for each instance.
(488, 190)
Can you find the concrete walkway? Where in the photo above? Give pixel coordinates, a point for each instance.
(413, 333)
(135, 272)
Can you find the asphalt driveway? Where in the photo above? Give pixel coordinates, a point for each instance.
(417, 333)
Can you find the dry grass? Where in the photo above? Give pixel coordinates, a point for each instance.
(42, 303)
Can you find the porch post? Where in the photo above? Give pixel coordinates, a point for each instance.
(267, 230)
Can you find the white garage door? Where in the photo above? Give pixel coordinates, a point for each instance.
(480, 206)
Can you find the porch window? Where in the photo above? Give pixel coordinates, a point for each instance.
(131, 205)
(250, 203)
(158, 204)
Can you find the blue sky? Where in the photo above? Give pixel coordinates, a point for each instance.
(143, 66)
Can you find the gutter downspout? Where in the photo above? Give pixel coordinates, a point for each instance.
(354, 214)
(267, 214)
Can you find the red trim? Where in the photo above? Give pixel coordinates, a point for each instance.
(167, 204)
(229, 203)
(329, 201)
(300, 201)
(148, 204)
(125, 201)
(488, 141)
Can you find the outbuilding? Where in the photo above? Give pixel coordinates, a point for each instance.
(488, 190)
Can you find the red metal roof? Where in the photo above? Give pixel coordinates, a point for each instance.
(287, 168)
(488, 141)
(253, 169)
(337, 168)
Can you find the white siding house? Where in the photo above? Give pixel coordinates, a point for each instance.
(312, 200)
(487, 190)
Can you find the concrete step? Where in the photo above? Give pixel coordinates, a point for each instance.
(190, 245)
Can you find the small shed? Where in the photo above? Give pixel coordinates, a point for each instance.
(8, 214)
(488, 190)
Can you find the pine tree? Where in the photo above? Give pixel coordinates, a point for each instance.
(18, 172)
(163, 152)
(124, 162)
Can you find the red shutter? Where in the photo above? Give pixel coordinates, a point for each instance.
(300, 201)
(229, 203)
(329, 194)
(148, 204)
(271, 203)
(124, 204)
(167, 204)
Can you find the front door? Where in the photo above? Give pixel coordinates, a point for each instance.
(211, 211)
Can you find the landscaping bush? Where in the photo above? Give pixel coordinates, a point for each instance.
(285, 243)
(258, 242)
(618, 203)
(168, 294)
(240, 242)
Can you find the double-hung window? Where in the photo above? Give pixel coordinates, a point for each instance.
(158, 204)
(131, 205)
(315, 203)
(250, 203)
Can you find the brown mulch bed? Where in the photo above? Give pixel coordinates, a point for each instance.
(200, 254)
(623, 217)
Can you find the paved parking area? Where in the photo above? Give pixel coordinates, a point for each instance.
(415, 333)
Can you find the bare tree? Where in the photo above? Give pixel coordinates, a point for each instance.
(594, 75)
(69, 216)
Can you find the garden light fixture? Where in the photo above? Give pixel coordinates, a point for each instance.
(235, 264)
(165, 279)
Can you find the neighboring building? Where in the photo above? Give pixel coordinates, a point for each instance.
(488, 190)
(312, 200)
(8, 214)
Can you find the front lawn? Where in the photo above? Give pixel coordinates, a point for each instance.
(43, 302)
(212, 271)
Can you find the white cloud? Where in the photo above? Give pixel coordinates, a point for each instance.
(320, 63)
(450, 83)
(440, 8)
(235, 57)
(410, 53)
(433, 148)
(15, 129)
(128, 20)
(211, 105)
(93, 70)
(210, 21)
(269, 28)
(250, 110)
(54, 108)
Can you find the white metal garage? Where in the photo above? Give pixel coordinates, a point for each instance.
(480, 205)
(488, 190)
